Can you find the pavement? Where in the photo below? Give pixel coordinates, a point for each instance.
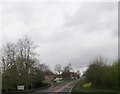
(60, 89)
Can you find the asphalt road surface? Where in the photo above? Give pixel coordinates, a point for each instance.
(61, 89)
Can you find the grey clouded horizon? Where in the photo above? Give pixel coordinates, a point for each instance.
(64, 32)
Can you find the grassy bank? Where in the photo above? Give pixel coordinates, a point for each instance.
(78, 88)
(26, 91)
(45, 86)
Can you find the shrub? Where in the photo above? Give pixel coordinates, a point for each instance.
(87, 85)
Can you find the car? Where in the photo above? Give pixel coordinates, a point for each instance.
(57, 79)
(60, 79)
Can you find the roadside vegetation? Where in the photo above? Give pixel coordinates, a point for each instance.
(78, 88)
(100, 77)
(21, 67)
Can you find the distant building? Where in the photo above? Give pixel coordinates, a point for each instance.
(70, 75)
(49, 75)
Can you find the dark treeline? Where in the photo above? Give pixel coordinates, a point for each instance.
(67, 72)
(20, 65)
(102, 75)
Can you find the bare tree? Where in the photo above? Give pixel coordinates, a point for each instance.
(66, 71)
(58, 69)
(19, 65)
(67, 68)
(8, 56)
(43, 67)
(26, 57)
(8, 61)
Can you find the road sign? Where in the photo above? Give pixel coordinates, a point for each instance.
(20, 87)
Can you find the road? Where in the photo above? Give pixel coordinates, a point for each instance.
(61, 89)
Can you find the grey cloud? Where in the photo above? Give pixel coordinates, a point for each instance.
(90, 17)
(63, 36)
(94, 16)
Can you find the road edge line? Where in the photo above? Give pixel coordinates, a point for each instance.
(71, 88)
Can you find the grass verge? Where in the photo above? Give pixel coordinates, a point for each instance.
(79, 89)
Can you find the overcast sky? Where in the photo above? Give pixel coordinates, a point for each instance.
(64, 32)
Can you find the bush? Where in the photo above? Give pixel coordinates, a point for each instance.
(87, 85)
(103, 76)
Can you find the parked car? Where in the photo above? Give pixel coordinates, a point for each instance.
(60, 79)
(57, 79)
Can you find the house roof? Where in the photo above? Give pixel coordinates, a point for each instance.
(49, 73)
